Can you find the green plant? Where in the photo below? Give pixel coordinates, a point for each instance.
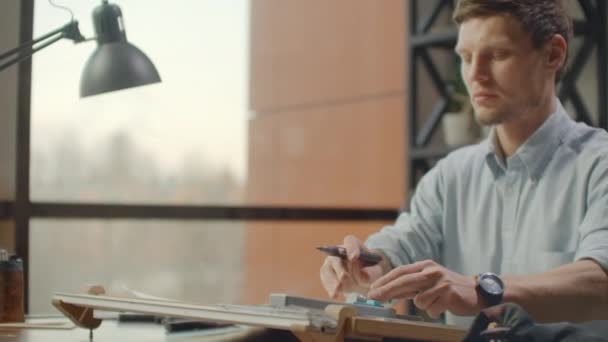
(459, 100)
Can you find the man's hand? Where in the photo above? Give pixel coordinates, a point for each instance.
(342, 276)
(434, 288)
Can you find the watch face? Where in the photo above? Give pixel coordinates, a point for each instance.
(491, 285)
(491, 288)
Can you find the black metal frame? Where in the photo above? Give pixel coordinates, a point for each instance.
(194, 212)
(6, 210)
(421, 156)
(25, 50)
(22, 205)
(22, 210)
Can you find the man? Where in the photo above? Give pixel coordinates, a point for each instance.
(529, 204)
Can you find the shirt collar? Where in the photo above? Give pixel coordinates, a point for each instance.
(536, 152)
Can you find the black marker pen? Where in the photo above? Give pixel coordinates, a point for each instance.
(367, 258)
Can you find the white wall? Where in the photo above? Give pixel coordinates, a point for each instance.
(9, 38)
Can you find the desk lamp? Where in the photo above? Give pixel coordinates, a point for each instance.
(115, 64)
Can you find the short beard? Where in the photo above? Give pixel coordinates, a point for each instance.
(498, 118)
(492, 120)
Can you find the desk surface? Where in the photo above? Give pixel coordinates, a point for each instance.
(108, 331)
(111, 331)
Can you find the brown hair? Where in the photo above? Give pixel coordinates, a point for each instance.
(541, 18)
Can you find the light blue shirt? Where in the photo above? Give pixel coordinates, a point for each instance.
(545, 207)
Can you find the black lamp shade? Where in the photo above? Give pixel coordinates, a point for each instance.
(114, 66)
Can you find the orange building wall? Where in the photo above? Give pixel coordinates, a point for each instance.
(326, 129)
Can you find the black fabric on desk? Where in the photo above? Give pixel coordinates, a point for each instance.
(515, 325)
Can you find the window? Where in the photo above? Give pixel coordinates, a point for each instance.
(179, 141)
(182, 141)
(205, 262)
(184, 260)
(255, 110)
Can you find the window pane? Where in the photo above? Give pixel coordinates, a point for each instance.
(199, 262)
(256, 107)
(182, 140)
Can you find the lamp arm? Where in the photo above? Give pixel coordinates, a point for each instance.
(26, 50)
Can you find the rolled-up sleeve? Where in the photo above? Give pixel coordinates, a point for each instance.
(593, 232)
(415, 235)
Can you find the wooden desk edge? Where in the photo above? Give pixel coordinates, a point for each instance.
(368, 326)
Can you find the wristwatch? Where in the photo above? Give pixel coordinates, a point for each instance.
(490, 288)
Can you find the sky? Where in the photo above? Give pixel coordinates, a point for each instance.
(201, 51)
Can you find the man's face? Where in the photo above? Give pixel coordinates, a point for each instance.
(504, 74)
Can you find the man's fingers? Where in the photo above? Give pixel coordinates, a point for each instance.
(400, 272)
(393, 292)
(369, 273)
(434, 300)
(335, 277)
(406, 286)
(330, 278)
(439, 306)
(425, 299)
(338, 268)
(340, 275)
(353, 247)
